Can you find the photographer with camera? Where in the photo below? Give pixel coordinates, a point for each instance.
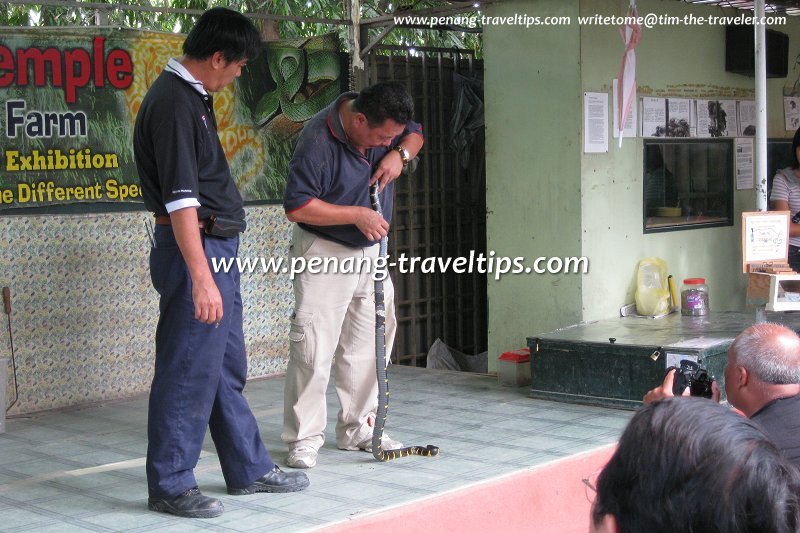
(762, 381)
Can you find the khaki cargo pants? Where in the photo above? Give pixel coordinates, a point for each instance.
(333, 323)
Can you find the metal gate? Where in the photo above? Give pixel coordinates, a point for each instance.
(439, 212)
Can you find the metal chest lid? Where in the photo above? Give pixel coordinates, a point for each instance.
(701, 335)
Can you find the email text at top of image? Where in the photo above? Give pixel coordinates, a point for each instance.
(649, 20)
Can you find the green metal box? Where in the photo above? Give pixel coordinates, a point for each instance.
(613, 363)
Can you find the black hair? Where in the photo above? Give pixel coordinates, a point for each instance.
(689, 464)
(795, 145)
(386, 100)
(223, 30)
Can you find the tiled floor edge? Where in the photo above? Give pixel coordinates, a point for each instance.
(547, 497)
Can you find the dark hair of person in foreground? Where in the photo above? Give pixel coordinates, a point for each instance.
(688, 464)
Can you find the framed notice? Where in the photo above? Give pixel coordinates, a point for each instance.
(765, 237)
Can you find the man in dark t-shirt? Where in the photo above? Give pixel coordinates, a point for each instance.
(780, 419)
(762, 380)
(201, 365)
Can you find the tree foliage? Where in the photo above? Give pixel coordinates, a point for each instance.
(45, 15)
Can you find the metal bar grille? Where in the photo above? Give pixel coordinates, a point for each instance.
(439, 212)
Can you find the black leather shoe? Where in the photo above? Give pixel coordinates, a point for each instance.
(190, 504)
(276, 480)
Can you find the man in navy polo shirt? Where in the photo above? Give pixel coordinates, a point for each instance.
(201, 365)
(360, 139)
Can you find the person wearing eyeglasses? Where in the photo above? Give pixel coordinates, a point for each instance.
(693, 465)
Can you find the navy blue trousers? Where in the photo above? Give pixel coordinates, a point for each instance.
(200, 373)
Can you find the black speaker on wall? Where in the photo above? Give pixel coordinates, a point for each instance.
(740, 51)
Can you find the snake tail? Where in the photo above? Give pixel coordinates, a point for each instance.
(380, 366)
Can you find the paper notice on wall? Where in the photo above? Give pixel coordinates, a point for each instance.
(629, 129)
(703, 118)
(716, 118)
(595, 122)
(679, 117)
(791, 112)
(726, 118)
(747, 118)
(744, 163)
(654, 117)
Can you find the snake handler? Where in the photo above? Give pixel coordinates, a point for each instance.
(360, 139)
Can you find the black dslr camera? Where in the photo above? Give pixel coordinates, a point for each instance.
(692, 375)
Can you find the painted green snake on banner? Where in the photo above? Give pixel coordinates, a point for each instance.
(302, 78)
(289, 68)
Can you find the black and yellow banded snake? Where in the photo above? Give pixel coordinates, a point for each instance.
(380, 363)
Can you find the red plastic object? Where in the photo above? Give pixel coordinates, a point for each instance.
(517, 356)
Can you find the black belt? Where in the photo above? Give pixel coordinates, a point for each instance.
(164, 220)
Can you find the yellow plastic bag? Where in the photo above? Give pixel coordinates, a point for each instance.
(652, 288)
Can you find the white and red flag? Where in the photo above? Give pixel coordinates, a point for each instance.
(631, 32)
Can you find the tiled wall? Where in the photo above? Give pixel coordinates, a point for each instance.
(84, 310)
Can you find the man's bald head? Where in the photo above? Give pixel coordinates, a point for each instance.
(770, 352)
